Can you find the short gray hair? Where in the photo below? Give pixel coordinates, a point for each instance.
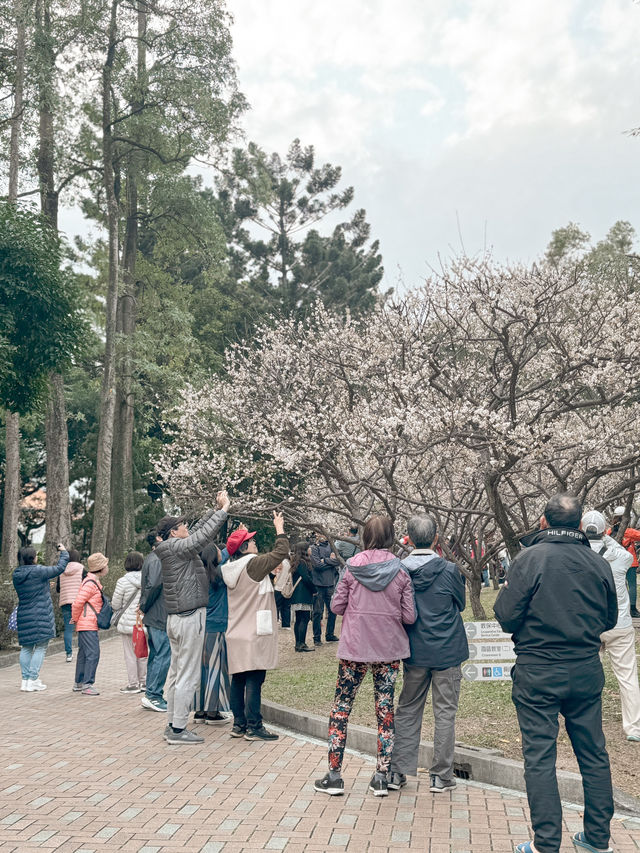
(422, 530)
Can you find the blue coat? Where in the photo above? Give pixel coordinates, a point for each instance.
(36, 624)
(437, 637)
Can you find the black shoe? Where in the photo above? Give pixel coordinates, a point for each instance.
(216, 720)
(396, 781)
(260, 734)
(439, 786)
(331, 638)
(238, 731)
(326, 786)
(635, 613)
(378, 787)
(199, 715)
(305, 648)
(317, 642)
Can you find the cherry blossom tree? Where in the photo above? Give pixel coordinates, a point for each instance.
(474, 398)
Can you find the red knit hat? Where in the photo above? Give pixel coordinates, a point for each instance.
(237, 538)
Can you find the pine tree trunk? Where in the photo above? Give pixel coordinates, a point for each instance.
(58, 511)
(122, 521)
(12, 481)
(102, 499)
(12, 489)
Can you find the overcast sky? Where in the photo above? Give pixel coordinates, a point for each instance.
(505, 116)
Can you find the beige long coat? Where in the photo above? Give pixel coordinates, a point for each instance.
(252, 630)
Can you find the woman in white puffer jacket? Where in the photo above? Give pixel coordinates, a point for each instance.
(126, 598)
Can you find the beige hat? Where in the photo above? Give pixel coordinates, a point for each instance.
(97, 562)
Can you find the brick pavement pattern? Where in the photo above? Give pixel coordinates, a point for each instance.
(82, 774)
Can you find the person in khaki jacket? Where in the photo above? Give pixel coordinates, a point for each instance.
(252, 639)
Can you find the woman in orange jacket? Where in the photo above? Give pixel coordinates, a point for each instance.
(84, 612)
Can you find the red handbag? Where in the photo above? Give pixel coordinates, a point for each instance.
(140, 646)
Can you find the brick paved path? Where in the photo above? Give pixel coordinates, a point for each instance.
(93, 774)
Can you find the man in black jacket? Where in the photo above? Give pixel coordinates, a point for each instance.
(324, 573)
(186, 595)
(155, 620)
(559, 597)
(438, 646)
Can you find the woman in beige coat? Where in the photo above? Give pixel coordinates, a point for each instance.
(252, 638)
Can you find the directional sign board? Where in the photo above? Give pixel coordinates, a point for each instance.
(486, 672)
(485, 631)
(490, 651)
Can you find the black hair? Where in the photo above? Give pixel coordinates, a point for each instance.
(354, 529)
(27, 555)
(133, 561)
(74, 556)
(242, 549)
(210, 557)
(300, 555)
(152, 537)
(563, 510)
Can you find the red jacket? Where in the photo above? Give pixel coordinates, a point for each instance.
(81, 612)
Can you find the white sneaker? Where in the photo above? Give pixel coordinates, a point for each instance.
(30, 686)
(23, 686)
(38, 685)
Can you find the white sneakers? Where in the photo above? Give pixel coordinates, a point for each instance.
(31, 685)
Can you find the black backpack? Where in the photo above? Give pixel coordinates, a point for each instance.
(103, 618)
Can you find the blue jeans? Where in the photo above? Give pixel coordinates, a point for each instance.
(158, 663)
(31, 658)
(65, 609)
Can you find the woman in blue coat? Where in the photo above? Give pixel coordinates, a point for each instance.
(36, 625)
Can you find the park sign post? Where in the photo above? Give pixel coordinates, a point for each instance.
(490, 653)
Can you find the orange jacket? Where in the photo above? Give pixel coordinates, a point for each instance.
(631, 536)
(88, 594)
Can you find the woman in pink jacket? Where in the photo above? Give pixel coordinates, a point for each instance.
(375, 598)
(70, 581)
(84, 612)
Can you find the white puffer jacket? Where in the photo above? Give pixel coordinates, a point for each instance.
(127, 586)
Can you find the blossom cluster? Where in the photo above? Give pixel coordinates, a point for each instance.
(475, 397)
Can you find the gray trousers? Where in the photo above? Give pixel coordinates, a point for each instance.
(186, 637)
(445, 692)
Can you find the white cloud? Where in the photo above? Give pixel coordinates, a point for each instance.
(498, 110)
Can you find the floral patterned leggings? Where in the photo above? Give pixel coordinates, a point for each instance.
(350, 677)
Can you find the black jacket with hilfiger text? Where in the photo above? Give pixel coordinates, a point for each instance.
(559, 597)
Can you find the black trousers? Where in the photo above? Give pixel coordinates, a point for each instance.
(541, 692)
(283, 606)
(245, 698)
(300, 626)
(88, 657)
(323, 597)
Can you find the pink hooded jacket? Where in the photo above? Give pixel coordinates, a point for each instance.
(375, 598)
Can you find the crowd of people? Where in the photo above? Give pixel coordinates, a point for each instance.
(199, 630)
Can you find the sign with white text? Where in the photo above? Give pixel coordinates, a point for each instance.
(485, 631)
(491, 651)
